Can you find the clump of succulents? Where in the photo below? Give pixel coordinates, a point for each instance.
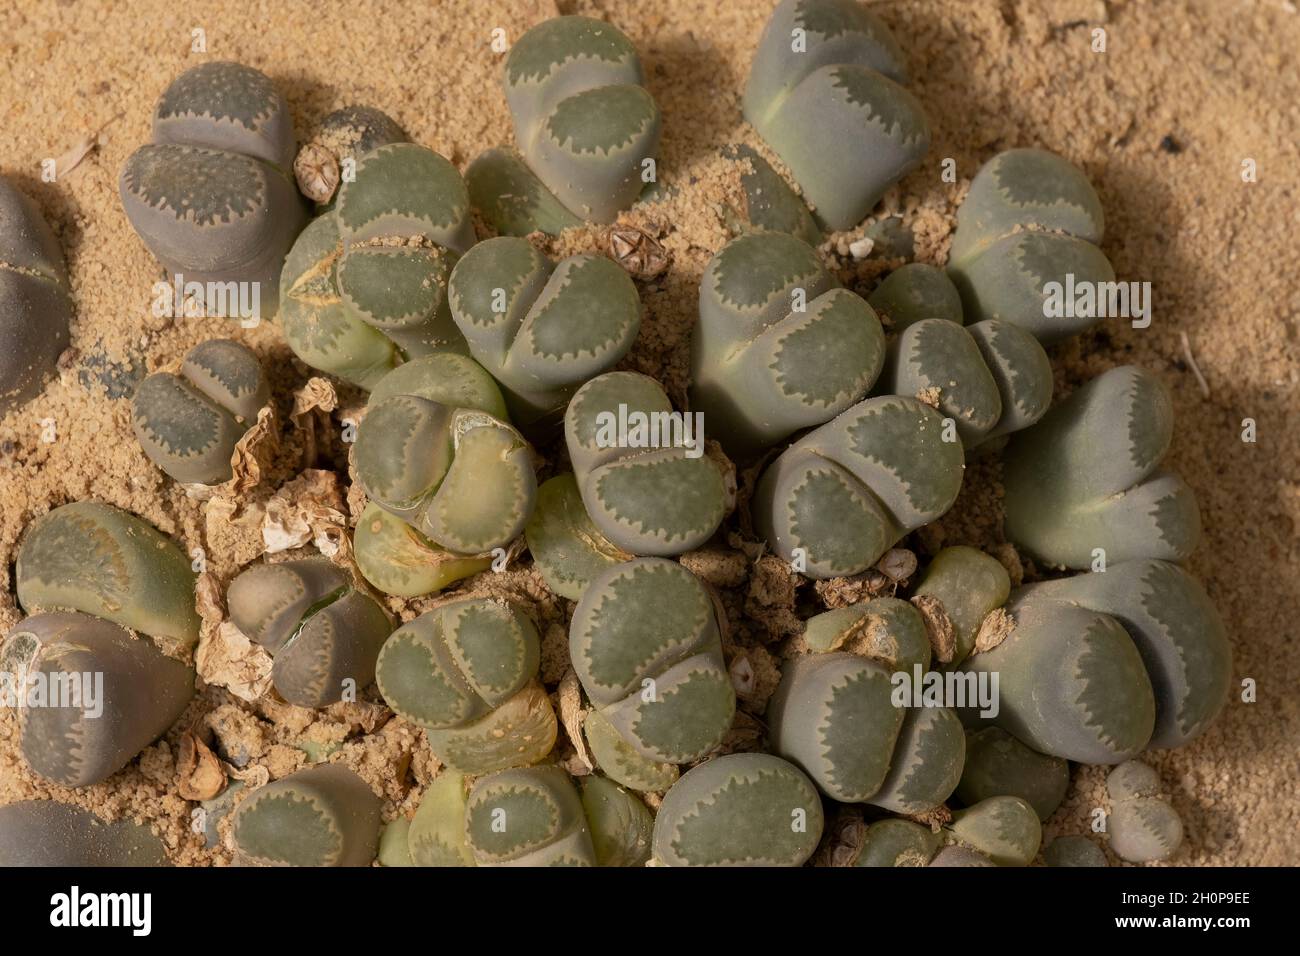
(321, 816)
(189, 423)
(825, 91)
(45, 833)
(323, 633)
(1143, 826)
(1030, 219)
(779, 345)
(998, 831)
(213, 196)
(35, 299)
(587, 131)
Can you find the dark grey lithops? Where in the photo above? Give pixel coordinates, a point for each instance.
(1073, 850)
(825, 91)
(511, 199)
(585, 124)
(968, 584)
(528, 817)
(998, 764)
(92, 557)
(1101, 665)
(739, 810)
(93, 695)
(779, 345)
(45, 833)
(188, 424)
(841, 496)
(642, 469)
(1030, 219)
(645, 644)
(437, 835)
(323, 633)
(621, 824)
(365, 286)
(770, 203)
(322, 816)
(1005, 829)
(1143, 826)
(567, 547)
(895, 842)
(35, 299)
(542, 328)
(212, 196)
(914, 292)
(1085, 484)
(465, 672)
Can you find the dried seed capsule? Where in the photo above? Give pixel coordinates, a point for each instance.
(1030, 219)
(895, 842)
(621, 826)
(968, 584)
(89, 556)
(212, 197)
(323, 633)
(1143, 825)
(542, 328)
(825, 93)
(647, 483)
(1073, 851)
(914, 292)
(739, 810)
(566, 545)
(437, 836)
(779, 346)
(1076, 482)
(104, 695)
(841, 496)
(188, 424)
(529, 817)
(619, 761)
(1005, 829)
(344, 136)
(323, 816)
(998, 764)
(45, 833)
(645, 644)
(35, 299)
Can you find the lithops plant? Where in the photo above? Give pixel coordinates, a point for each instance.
(621, 762)
(998, 764)
(770, 203)
(323, 633)
(322, 816)
(967, 585)
(1005, 829)
(104, 695)
(92, 557)
(1073, 850)
(643, 470)
(825, 91)
(841, 496)
(542, 328)
(212, 196)
(528, 817)
(343, 137)
(189, 423)
(645, 644)
(437, 833)
(586, 127)
(465, 672)
(779, 345)
(1143, 826)
(914, 292)
(991, 378)
(35, 299)
(1030, 219)
(894, 842)
(45, 833)
(739, 810)
(365, 286)
(567, 547)
(621, 824)
(1102, 665)
(1085, 484)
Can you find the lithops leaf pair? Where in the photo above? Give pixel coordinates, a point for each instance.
(323, 633)
(188, 424)
(641, 468)
(567, 547)
(622, 762)
(835, 715)
(587, 129)
(45, 833)
(914, 292)
(1085, 484)
(542, 328)
(645, 644)
(825, 91)
(1030, 219)
(365, 286)
(997, 764)
(1143, 826)
(967, 585)
(894, 842)
(739, 810)
(35, 300)
(465, 672)
(94, 695)
(92, 557)
(1102, 665)
(991, 378)
(212, 196)
(528, 817)
(1004, 829)
(841, 496)
(779, 346)
(322, 816)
